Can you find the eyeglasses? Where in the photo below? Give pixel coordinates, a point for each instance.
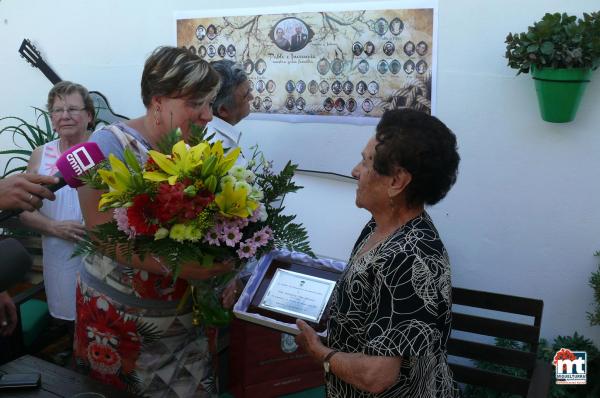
(70, 111)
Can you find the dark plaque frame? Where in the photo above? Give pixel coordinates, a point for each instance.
(306, 269)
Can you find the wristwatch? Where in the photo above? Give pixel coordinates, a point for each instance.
(326, 365)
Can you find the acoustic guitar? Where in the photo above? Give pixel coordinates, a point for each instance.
(104, 113)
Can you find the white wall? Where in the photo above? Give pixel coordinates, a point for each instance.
(522, 218)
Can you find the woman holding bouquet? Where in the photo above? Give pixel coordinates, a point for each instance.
(131, 330)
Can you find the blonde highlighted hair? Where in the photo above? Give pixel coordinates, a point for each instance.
(175, 72)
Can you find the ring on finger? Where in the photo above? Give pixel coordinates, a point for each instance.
(30, 198)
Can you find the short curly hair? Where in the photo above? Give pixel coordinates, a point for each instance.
(422, 145)
(177, 73)
(65, 88)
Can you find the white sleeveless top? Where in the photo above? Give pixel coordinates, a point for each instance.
(60, 270)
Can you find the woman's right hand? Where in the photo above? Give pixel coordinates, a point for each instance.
(200, 272)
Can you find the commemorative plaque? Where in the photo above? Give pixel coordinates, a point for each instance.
(291, 290)
(289, 286)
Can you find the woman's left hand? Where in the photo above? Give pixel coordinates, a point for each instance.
(310, 341)
(70, 230)
(231, 293)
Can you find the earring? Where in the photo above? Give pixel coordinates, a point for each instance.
(157, 116)
(391, 201)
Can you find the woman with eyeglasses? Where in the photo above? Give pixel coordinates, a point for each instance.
(71, 112)
(132, 329)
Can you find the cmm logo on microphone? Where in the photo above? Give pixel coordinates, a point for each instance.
(571, 366)
(80, 160)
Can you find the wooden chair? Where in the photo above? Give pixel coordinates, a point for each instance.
(537, 382)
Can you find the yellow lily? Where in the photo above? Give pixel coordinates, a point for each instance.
(118, 179)
(224, 162)
(234, 201)
(180, 163)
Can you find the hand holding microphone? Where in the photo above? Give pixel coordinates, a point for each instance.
(26, 191)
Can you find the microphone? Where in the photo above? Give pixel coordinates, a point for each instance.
(15, 263)
(71, 164)
(78, 160)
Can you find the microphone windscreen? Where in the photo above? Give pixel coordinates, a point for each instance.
(77, 160)
(15, 262)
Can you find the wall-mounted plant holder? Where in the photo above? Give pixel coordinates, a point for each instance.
(559, 92)
(561, 51)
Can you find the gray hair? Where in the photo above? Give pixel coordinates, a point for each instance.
(232, 75)
(65, 88)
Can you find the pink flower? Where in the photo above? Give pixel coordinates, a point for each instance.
(256, 214)
(268, 231)
(246, 250)
(260, 238)
(212, 237)
(220, 225)
(228, 223)
(242, 222)
(120, 216)
(231, 236)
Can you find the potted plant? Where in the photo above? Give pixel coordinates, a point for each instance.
(561, 51)
(33, 134)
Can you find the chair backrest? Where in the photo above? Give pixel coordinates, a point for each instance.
(489, 326)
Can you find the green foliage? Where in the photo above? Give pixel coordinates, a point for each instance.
(287, 234)
(483, 392)
(108, 239)
(92, 179)
(197, 135)
(594, 316)
(169, 140)
(546, 353)
(556, 41)
(34, 134)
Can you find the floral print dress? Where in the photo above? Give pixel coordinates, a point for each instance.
(132, 330)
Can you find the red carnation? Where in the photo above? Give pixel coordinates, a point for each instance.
(195, 205)
(172, 204)
(140, 215)
(169, 201)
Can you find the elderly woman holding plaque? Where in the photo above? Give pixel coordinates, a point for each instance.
(390, 315)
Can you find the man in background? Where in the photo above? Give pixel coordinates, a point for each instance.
(232, 103)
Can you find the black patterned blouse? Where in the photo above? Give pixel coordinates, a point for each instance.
(394, 300)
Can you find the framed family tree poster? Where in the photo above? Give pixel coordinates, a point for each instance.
(335, 63)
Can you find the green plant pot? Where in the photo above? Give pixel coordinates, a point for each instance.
(559, 92)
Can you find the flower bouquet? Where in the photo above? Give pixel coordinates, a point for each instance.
(194, 203)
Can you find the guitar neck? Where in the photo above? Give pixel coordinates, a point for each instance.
(33, 56)
(104, 113)
(49, 73)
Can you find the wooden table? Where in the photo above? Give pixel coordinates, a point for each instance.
(56, 381)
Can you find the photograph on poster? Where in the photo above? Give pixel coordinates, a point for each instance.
(301, 58)
(313, 87)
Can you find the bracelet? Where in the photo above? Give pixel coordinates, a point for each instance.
(331, 354)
